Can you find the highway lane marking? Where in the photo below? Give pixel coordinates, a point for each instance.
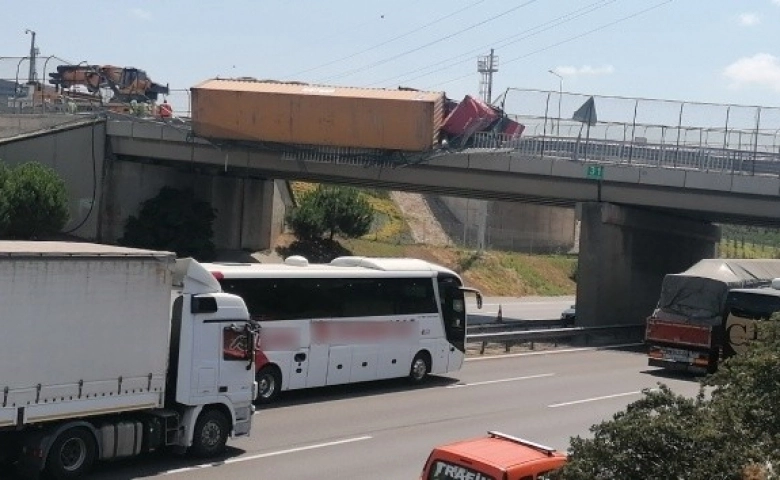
(503, 380)
(549, 352)
(268, 454)
(595, 399)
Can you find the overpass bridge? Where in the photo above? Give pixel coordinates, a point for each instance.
(647, 204)
(646, 209)
(715, 185)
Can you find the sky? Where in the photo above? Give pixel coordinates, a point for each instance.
(719, 51)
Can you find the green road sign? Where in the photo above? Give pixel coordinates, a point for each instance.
(595, 172)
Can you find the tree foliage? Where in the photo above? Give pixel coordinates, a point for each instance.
(731, 430)
(329, 211)
(4, 209)
(34, 201)
(174, 220)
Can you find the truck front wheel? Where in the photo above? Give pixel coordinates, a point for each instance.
(269, 383)
(72, 454)
(210, 435)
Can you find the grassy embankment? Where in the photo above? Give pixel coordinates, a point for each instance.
(495, 273)
(499, 273)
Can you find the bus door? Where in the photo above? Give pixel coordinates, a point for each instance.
(453, 310)
(299, 368)
(299, 357)
(285, 343)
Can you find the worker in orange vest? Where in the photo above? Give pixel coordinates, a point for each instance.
(165, 110)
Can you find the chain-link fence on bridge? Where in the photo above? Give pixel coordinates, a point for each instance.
(672, 124)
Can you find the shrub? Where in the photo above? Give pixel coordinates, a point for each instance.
(36, 201)
(174, 220)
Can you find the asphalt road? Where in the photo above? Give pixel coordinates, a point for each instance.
(386, 429)
(527, 308)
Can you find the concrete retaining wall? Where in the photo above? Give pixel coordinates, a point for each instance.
(77, 155)
(512, 226)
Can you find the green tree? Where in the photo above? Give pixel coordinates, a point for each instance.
(732, 433)
(661, 436)
(37, 201)
(173, 220)
(329, 211)
(4, 210)
(746, 394)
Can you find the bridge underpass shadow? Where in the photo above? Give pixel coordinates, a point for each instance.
(316, 251)
(666, 374)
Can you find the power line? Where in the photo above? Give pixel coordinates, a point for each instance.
(439, 40)
(467, 56)
(568, 40)
(382, 44)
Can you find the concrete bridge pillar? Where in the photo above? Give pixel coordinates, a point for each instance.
(244, 208)
(246, 215)
(624, 255)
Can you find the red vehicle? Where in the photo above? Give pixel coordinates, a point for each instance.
(496, 456)
(702, 310)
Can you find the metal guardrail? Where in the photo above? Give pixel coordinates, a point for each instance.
(514, 326)
(509, 338)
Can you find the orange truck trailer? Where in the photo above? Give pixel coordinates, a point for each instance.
(496, 456)
(700, 317)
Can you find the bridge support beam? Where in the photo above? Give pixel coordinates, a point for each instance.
(246, 218)
(624, 255)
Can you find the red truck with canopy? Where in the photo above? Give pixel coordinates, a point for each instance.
(688, 329)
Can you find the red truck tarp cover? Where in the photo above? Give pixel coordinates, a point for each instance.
(697, 295)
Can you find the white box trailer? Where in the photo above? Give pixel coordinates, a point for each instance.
(118, 351)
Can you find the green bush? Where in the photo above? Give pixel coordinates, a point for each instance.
(174, 220)
(328, 211)
(730, 429)
(4, 210)
(35, 201)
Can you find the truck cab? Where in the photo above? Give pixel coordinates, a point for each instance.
(496, 456)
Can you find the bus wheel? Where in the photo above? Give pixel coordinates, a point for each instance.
(421, 366)
(72, 454)
(269, 383)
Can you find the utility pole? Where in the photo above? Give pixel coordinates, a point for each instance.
(487, 65)
(560, 95)
(32, 76)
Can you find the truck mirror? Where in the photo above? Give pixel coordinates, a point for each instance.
(203, 305)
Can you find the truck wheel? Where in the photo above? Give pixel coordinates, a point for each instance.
(269, 383)
(421, 366)
(210, 435)
(71, 455)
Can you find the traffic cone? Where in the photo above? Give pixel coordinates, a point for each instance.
(499, 316)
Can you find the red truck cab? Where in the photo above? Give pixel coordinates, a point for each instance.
(496, 456)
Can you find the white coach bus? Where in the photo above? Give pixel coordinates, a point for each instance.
(351, 320)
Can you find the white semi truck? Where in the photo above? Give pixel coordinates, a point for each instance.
(110, 352)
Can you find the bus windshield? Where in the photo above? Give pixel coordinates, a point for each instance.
(453, 310)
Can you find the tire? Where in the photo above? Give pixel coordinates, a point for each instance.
(72, 454)
(211, 434)
(420, 368)
(269, 384)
